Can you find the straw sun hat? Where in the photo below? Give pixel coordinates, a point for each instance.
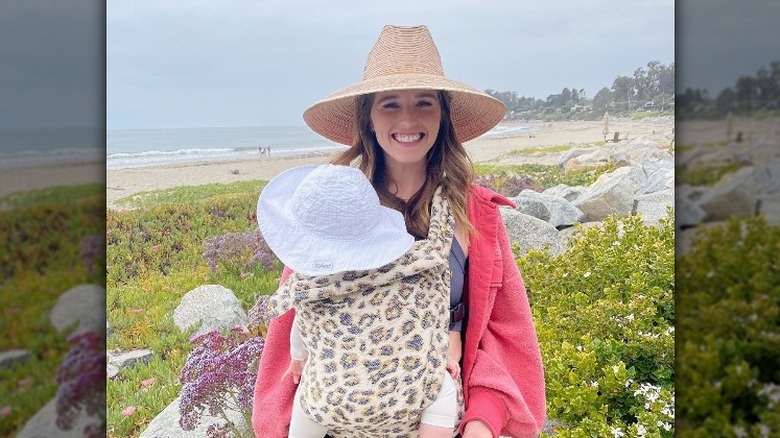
(405, 58)
(324, 219)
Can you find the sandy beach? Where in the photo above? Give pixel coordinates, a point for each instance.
(21, 179)
(126, 182)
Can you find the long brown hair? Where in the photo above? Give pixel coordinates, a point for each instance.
(447, 164)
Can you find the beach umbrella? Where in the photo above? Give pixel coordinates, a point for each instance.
(729, 125)
(605, 131)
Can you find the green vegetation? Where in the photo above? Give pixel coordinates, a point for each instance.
(622, 316)
(545, 175)
(627, 96)
(154, 257)
(40, 248)
(728, 332)
(604, 313)
(706, 176)
(751, 96)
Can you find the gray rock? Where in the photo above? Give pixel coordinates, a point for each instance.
(531, 233)
(660, 179)
(83, 307)
(166, 424)
(653, 206)
(11, 357)
(688, 213)
(561, 213)
(733, 195)
(598, 157)
(571, 153)
(43, 424)
(770, 208)
(611, 194)
(569, 193)
(118, 360)
(531, 206)
(214, 307)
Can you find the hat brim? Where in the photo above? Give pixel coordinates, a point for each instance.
(310, 254)
(473, 112)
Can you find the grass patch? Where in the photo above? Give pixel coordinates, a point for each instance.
(706, 177)
(549, 149)
(189, 194)
(39, 256)
(546, 175)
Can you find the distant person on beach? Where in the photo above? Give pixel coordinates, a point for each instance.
(261, 149)
(406, 123)
(360, 251)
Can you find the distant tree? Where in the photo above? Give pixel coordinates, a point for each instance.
(747, 92)
(601, 101)
(726, 101)
(623, 90)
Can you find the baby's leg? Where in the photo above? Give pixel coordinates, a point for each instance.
(438, 420)
(301, 426)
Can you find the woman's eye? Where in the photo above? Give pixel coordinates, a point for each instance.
(390, 105)
(424, 103)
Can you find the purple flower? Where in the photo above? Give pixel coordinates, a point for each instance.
(233, 247)
(219, 376)
(82, 379)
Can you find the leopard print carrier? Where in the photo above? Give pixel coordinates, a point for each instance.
(377, 339)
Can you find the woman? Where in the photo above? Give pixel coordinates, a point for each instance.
(406, 123)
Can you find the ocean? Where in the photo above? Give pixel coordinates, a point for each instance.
(23, 147)
(131, 148)
(134, 148)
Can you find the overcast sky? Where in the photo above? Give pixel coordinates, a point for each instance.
(262, 62)
(721, 40)
(201, 63)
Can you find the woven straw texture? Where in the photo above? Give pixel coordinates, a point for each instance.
(405, 58)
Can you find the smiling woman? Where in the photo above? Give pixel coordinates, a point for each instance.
(405, 124)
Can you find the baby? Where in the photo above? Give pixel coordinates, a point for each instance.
(368, 345)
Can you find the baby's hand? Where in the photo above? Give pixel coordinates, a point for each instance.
(453, 367)
(295, 369)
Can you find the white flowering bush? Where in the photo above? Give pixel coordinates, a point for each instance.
(729, 332)
(604, 313)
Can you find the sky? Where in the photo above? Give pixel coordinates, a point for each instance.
(721, 40)
(177, 63)
(199, 63)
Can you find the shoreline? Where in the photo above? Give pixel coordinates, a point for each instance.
(42, 176)
(121, 183)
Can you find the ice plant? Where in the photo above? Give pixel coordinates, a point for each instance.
(81, 380)
(218, 377)
(234, 246)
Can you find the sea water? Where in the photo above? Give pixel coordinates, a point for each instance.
(131, 148)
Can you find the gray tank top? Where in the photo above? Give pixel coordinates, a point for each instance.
(458, 259)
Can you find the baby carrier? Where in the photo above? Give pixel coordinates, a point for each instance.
(377, 339)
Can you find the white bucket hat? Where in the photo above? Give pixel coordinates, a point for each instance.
(320, 220)
(405, 58)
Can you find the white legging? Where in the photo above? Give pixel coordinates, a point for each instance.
(442, 412)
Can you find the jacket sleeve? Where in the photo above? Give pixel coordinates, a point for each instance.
(273, 397)
(506, 384)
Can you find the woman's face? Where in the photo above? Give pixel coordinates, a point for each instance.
(406, 124)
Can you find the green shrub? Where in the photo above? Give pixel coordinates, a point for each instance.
(604, 313)
(728, 333)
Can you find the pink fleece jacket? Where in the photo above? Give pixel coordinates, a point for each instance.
(503, 379)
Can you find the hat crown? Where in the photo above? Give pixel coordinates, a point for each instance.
(403, 50)
(336, 203)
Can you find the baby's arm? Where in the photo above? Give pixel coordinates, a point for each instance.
(298, 354)
(453, 354)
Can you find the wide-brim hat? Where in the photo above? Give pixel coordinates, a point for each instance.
(320, 220)
(405, 58)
